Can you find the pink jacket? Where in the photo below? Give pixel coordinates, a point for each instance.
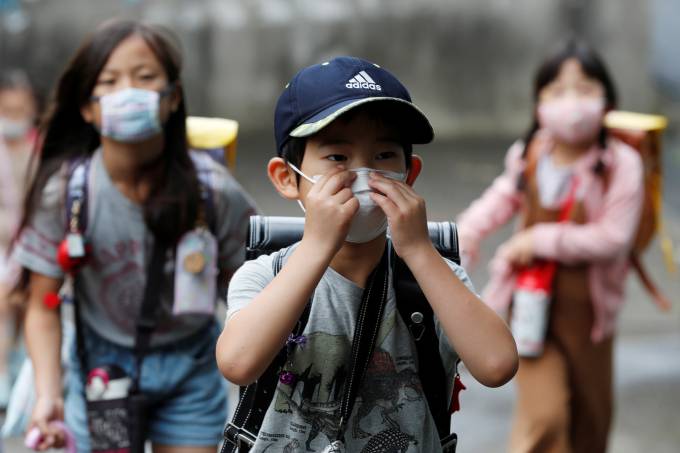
(604, 241)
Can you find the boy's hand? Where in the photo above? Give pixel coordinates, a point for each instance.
(330, 207)
(405, 211)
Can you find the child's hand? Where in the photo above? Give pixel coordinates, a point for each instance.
(330, 207)
(46, 410)
(405, 211)
(519, 249)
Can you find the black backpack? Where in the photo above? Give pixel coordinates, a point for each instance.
(270, 234)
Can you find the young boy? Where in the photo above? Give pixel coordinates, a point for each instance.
(344, 133)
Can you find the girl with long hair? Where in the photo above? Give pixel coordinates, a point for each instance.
(119, 106)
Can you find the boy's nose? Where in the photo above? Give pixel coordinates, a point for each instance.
(359, 162)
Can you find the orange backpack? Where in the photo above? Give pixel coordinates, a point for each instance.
(643, 133)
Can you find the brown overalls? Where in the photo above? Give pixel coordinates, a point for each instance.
(564, 397)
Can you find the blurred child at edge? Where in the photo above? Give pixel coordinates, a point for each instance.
(565, 395)
(18, 112)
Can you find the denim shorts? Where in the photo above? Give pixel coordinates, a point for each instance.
(188, 393)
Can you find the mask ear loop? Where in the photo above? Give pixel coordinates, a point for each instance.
(299, 172)
(301, 206)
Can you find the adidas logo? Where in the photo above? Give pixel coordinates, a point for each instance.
(363, 80)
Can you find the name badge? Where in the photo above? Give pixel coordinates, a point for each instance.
(196, 273)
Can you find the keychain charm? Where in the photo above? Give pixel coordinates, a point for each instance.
(66, 261)
(72, 252)
(458, 387)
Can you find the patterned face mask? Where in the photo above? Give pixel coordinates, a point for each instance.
(369, 222)
(131, 115)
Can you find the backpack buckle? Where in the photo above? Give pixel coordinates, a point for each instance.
(416, 326)
(449, 443)
(239, 437)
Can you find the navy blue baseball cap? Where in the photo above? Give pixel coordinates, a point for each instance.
(319, 94)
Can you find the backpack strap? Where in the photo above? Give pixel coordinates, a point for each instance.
(530, 166)
(75, 222)
(254, 400)
(418, 316)
(658, 297)
(76, 204)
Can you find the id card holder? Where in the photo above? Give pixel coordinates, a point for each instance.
(196, 273)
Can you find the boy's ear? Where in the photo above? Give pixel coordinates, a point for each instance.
(283, 178)
(414, 171)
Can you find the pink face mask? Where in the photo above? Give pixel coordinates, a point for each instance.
(571, 120)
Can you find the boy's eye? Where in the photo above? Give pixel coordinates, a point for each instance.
(106, 82)
(386, 155)
(336, 157)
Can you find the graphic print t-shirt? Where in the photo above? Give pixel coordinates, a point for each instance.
(110, 288)
(390, 413)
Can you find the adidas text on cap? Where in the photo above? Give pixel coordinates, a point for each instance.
(319, 94)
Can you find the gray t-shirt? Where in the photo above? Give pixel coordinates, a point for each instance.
(391, 409)
(110, 287)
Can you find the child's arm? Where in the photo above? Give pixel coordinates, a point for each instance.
(478, 335)
(495, 207)
(42, 330)
(608, 236)
(255, 334)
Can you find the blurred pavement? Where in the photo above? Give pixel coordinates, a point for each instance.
(648, 346)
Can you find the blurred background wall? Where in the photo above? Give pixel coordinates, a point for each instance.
(468, 63)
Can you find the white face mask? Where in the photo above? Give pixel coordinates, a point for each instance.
(369, 221)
